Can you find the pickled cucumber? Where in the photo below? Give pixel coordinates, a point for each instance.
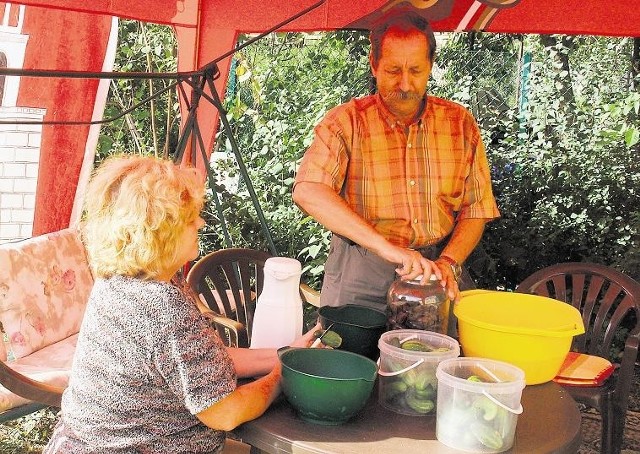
(416, 346)
(395, 388)
(485, 407)
(427, 393)
(417, 403)
(328, 338)
(412, 391)
(331, 339)
(394, 342)
(409, 377)
(425, 379)
(486, 435)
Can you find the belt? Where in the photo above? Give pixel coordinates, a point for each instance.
(432, 250)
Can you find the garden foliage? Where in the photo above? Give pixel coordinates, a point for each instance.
(559, 116)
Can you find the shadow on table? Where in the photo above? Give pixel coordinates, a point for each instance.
(550, 423)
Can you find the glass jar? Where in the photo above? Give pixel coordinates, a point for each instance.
(411, 305)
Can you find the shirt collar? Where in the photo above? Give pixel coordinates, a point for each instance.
(392, 120)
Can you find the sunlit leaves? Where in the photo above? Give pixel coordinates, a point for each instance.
(141, 48)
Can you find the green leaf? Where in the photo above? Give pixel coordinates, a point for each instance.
(631, 137)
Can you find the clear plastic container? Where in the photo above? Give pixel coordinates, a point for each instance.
(407, 383)
(478, 404)
(411, 305)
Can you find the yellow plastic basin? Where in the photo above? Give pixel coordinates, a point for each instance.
(531, 332)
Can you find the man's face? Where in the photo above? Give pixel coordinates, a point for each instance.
(402, 72)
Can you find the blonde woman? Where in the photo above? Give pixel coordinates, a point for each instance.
(149, 374)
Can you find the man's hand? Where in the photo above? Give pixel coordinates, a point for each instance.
(412, 264)
(448, 280)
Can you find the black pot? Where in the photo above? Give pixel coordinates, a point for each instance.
(359, 326)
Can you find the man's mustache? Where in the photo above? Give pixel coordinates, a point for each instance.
(402, 95)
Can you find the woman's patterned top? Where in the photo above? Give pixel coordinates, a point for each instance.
(146, 362)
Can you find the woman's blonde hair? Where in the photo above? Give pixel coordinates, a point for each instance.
(136, 209)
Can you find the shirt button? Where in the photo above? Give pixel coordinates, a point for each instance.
(412, 183)
(415, 221)
(408, 145)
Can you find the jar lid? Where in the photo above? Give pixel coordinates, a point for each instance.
(418, 278)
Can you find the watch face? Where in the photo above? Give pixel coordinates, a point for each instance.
(457, 271)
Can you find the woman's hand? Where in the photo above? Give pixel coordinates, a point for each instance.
(307, 338)
(260, 361)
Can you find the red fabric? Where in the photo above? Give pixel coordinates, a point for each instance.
(176, 12)
(62, 38)
(193, 57)
(59, 40)
(597, 17)
(613, 17)
(580, 369)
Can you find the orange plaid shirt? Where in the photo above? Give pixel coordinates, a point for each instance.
(411, 184)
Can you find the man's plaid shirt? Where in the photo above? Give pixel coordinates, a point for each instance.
(410, 184)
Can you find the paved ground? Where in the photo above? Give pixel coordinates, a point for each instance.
(591, 425)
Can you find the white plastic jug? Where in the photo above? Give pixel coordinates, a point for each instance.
(278, 317)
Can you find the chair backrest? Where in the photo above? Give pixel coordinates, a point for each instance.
(610, 305)
(229, 281)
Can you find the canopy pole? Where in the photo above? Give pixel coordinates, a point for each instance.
(191, 130)
(243, 169)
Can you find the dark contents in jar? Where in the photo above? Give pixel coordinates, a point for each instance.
(412, 306)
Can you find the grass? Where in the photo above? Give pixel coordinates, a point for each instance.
(29, 434)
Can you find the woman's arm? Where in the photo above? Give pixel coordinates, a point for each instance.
(253, 362)
(259, 361)
(247, 402)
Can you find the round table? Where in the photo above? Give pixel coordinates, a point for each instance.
(550, 423)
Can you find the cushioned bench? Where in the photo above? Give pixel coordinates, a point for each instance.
(45, 284)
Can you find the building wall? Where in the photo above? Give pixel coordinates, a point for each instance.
(19, 142)
(19, 161)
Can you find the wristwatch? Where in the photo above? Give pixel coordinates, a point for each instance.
(456, 269)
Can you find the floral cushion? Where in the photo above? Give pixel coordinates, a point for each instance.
(50, 365)
(45, 283)
(3, 352)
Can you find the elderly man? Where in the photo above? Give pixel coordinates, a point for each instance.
(400, 177)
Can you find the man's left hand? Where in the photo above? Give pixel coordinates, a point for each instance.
(448, 279)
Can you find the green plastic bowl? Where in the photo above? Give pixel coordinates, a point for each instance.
(359, 326)
(327, 386)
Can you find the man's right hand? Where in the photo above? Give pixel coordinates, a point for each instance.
(411, 264)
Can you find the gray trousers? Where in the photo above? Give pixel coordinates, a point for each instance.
(355, 275)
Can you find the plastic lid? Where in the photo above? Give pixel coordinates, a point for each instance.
(282, 267)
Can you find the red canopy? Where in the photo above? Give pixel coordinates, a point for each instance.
(73, 35)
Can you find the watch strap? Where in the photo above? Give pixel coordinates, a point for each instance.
(455, 266)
